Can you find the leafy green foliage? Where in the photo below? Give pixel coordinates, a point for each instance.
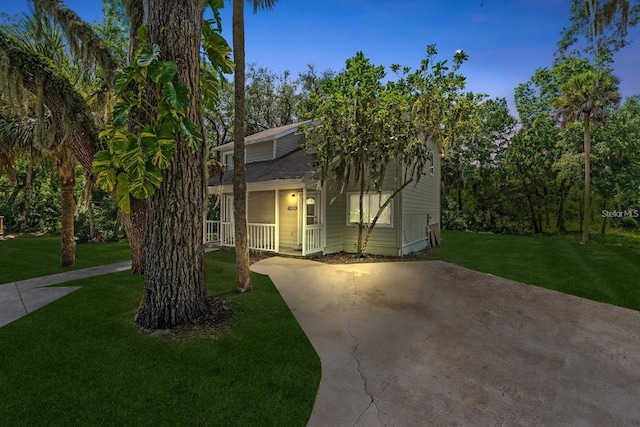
(137, 152)
(366, 124)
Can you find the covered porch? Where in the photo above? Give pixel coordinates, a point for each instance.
(282, 219)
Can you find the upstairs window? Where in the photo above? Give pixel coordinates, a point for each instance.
(227, 159)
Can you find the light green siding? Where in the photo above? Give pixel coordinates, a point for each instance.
(261, 207)
(341, 236)
(421, 208)
(259, 152)
(288, 143)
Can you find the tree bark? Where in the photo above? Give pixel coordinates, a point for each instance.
(239, 178)
(174, 289)
(66, 171)
(135, 224)
(587, 179)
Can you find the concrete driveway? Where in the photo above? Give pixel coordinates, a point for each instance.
(431, 343)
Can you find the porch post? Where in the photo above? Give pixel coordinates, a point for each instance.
(304, 220)
(323, 216)
(277, 236)
(223, 218)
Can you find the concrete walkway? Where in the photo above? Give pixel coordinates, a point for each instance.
(18, 299)
(430, 343)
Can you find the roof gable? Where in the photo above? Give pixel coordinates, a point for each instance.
(266, 135)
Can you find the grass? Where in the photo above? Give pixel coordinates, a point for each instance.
(82, 361)
(605, 273)
(26, 257)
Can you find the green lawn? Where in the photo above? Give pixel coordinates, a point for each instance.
(595, 271)
(26, 257)
(82, 361)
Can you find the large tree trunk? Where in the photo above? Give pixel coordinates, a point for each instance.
(587, 179)
(175, 292)
(239, 179)
(66, 171)
(135, 224)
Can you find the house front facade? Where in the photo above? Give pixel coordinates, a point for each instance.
(290, 212)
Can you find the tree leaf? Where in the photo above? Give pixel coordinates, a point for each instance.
(101, 161)
(162, 72)
(106, 179)
(122, 193)
(146, 57)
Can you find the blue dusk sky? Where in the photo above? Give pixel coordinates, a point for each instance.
(506, 40)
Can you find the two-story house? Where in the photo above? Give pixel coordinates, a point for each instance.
(289, 211)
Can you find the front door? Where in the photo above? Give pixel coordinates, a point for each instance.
(288, 207)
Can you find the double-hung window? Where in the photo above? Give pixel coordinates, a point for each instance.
(227, 159)
(371, 203)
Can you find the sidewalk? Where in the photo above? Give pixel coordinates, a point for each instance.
(18, 299)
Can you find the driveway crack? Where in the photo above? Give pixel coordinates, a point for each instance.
(21, 299)
(372, 401)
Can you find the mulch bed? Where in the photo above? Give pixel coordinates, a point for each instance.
(348, 258)
(209, 325)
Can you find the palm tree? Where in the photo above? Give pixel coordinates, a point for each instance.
(239, 178)
(585, 97)
(63, 99)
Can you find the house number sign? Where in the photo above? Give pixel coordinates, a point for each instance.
(292, 208)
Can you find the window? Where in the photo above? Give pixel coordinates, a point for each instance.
(371, 203)
(312, 212)
(227, 159)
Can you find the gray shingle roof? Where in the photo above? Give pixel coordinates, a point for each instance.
(295, 165)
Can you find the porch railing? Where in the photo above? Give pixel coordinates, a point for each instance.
(211, 231)
(313, 238)
(227, 234)
(262, 237)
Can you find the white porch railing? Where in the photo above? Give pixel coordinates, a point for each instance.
(262, 237)
(211, 231)
(227, 234)
(313, 239)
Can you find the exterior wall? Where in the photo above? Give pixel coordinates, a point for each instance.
(288, 212)
(341, 236)
(261, 207)
(259, 152)
(288, 143)
(421, 208)
(335, 217)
